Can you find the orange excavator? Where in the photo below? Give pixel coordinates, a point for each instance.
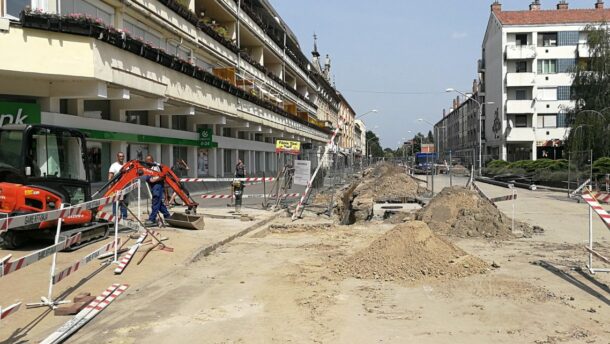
(44, 166)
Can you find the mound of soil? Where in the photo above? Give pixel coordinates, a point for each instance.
(460, 212)
(411, 252)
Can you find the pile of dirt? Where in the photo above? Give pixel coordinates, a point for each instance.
(460, 212)
(384, 182)
(411, 252)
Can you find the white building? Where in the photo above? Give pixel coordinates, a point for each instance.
(525, 71)
(148, 76)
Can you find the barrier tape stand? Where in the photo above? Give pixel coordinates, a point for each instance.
(85, 315)
(595, 206)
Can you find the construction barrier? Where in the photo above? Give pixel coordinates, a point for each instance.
(602, 197)
(132, 250)
(85, 315)
(5, 312)
(247, 180)
(482, 194)
(87, 259)
(578, 189)
(503, 198)
(594, 206)
(289, 195)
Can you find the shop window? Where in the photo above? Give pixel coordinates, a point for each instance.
(136, 117)
(227, 161)
(99, 109)
(180, 154)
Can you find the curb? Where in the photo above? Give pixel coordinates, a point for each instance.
(205, 251)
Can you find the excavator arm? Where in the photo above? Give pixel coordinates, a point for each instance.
(135, 169)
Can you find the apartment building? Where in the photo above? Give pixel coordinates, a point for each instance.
(155, 76)
(527, 57)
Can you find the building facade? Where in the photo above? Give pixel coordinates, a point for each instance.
(525, 71)
(154, 76)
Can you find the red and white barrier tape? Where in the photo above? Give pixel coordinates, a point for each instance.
(602, 197)
(594, 204)
(12, 266)
(288, 195)
(123, 222)
(87, 259)
(132, 250)
(85, 315)
(503, 198)
(253, 179)
(31, 219)
(5, 312)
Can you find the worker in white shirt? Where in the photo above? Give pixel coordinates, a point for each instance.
(114, 170)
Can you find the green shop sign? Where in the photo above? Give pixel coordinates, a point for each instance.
(19, 113)
(205, 139)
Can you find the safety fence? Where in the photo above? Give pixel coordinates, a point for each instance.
(9, 266)
(493, 200)
(595, 206)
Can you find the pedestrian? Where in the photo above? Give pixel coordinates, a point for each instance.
(240, 169)
(157, 189)
(113, 171)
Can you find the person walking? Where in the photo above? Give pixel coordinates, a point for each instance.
(114, 170)
(157, 189)
(240, 169)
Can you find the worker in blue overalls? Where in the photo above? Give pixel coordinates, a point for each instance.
(157, 189)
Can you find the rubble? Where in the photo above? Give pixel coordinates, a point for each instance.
(460, 212)
(411, 252)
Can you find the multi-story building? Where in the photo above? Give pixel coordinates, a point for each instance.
(152, 76)
(525, 69)
(360, 137)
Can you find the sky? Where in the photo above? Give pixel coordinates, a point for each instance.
(398, 56)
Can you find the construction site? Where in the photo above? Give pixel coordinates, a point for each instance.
(376, 257)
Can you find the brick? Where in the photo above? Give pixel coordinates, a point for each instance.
(70, 310)
(80, 296)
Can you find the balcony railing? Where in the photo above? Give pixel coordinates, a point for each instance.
(520, 79)
(520, 52)
(519, 106)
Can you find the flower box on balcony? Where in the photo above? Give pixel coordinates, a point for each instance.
(199, 73)
(150, 53)
(98, 31)
(134, 45)
(35, 21)
(114, 37)
(76, 24)
(165, 59)
(188, 68)
(177, 64)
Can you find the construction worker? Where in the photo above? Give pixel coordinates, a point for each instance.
(115, 168)
(157, 189)
(240, 169)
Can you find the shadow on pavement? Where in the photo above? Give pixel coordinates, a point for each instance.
(576, 282)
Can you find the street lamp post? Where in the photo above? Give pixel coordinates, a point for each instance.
(480, 123)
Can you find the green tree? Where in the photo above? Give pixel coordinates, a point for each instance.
(388, 153)
(430, 137)
(591, 90)
(373, 144)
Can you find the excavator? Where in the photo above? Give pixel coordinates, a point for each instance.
(45, 166)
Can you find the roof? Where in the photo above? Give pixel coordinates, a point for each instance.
(540, 17)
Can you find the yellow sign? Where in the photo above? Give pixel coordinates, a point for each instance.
(290, 147)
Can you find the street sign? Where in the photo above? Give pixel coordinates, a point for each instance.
(288, 147)
(302, 172)
(205, 139)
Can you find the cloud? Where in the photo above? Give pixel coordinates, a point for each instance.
(459, 35)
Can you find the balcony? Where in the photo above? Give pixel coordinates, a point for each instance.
(481, 64)
(583, 50)
(520, 52)
(520, 79)
(521, 134)
(519, 106)
(553, 106)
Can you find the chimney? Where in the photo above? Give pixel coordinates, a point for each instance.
(457, 102)
(535, 6)
(496, 6)
(444, 113)
(475, 86)
(454, 105)
(599, 5)
(562, 5)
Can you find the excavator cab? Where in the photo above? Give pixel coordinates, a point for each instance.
(41, 167)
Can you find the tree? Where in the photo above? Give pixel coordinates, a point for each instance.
(430, 137)
(388, 153)
(373, 144)
(591, 90)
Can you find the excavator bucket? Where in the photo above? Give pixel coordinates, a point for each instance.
(179, 220)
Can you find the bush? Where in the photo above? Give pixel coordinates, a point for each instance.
(497, 164)
(601, 166)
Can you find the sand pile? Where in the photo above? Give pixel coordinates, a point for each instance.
(460, 212)
(411, 252)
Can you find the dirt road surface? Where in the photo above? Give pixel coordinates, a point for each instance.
(280, 286)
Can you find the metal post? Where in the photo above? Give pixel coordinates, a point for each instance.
(117, 214)
(450, 175)
(54, 261)
(139, 198)
(264, 191)
(591, 240)
(569, 169)
(513, 220)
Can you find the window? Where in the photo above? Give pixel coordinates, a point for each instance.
(139, 31)
(565, 65)
(520, 121)
(136, 117)
(521, 67)
(547, 39)
(10, 152)
(99, 109)
(520, 94)
(204, 65)
(55, 154)
(562, 120)
(547, 121)
(82, 6)
(226, 132)
(547, 93)
(564, 92)
(180, 153)
(179, 51)
(521, 39)
(547, 66)
(179, 122)
(568, 38)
